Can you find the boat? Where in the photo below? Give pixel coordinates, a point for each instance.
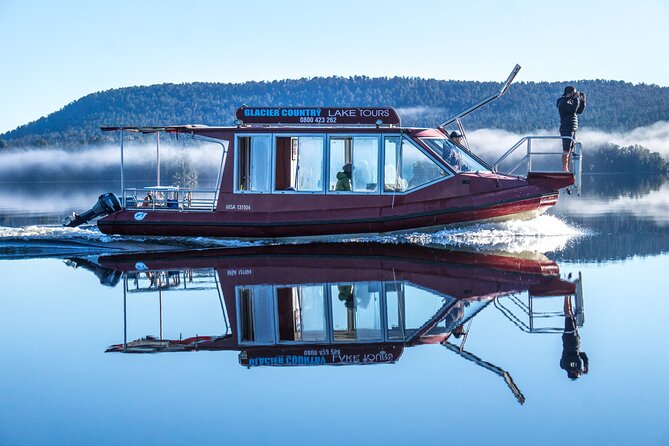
(322, 304)
(298, 172)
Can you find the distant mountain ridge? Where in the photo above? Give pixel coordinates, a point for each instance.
(527, 106)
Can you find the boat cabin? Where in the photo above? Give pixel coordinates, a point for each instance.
(288, 151)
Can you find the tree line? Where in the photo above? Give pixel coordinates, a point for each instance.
(636, 159)
(527, 106)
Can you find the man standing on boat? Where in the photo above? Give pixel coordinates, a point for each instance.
(570, 105)
(573, 361)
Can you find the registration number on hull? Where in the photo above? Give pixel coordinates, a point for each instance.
(237, 207)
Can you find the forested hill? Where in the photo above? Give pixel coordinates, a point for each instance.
(612, 105)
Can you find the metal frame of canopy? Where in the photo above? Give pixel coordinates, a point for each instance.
(167, 129)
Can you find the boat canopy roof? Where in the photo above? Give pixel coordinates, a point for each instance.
(160, 128)
(205, 129)
(301, 117)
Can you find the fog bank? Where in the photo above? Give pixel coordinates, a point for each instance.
(103, 162)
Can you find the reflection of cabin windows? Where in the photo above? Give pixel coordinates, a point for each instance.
(299, 163)
(339, 312)
(254, 159)
(301, 313)
(256, 314)
(420, 306)
(356, 312)
(395, 309)
(407, 167)
(361, 154)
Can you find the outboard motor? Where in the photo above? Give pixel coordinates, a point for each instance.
(108, 277)
(107, 204)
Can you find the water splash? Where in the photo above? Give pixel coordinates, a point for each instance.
(55, 233)
(546, 233)
(542, 234)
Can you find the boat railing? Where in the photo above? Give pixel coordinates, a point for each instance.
(170, 198)
(529, 318)
(148, 281)
(531, 154)
(158, 281)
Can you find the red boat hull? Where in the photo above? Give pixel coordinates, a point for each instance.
(464, 198)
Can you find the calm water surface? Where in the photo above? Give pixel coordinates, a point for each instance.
(455, 337)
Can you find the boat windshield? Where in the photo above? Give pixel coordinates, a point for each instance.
(456, 157)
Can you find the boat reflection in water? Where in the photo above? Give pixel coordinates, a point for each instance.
(334, 304)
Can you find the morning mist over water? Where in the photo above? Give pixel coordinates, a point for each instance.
(102, 163)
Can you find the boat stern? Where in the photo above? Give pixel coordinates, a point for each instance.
(551, 180)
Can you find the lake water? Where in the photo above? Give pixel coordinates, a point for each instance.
(458, 336)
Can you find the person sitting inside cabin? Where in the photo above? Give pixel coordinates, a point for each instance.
(148, 200)
(573, 361)
(459, 331)
(456, 136)
(422, 173)
(346, 295)
(393, 181)
(344, 178)
(452, 153)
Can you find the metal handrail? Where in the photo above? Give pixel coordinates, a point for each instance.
(530, 313)
(577, 163)
(527, 157)
(170, 198)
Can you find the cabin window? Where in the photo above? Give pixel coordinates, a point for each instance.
(254, 159)
(456, 157)
(406, 167)
(356, 312)
(354, 164)
(395, 309)
(299, 163)
(301, 313)
(256, 313)
(421, 305)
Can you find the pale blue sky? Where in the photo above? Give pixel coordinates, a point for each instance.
(55, 52)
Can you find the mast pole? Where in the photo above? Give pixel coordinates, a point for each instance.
(158, 157)
(122, 173)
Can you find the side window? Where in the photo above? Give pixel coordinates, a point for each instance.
(354, 164)
(254, 159)
(299, 163)
(256, 314)
(356, 312)
(392, 181)
(406, 166)
(301, 313)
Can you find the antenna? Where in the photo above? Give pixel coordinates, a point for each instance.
(509, 79)
(505, 87)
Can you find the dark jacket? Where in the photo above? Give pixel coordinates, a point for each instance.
(569, 108)
(343, 181)
(573, 361)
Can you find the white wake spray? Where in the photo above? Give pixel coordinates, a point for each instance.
(545, 233)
